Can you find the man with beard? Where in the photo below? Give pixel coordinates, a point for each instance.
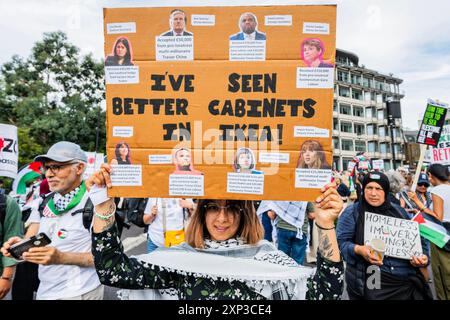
(66, 266)
(248, 24)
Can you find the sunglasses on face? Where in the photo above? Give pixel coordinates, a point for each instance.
(214, 208)
(55, 168)
(422, 184)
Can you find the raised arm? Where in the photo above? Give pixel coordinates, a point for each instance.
(113, 266)
(327, 283)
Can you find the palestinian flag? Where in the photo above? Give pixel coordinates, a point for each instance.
(26, 174)
(432, 229)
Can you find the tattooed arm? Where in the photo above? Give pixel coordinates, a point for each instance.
(328, 280)
(328, 245)
(328, 208)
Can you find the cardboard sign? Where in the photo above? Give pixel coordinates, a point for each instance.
(214, 98)
(441, 153)
(378, 164)
(401, 236)
(9, 151)
(432, 123)
(94, 161)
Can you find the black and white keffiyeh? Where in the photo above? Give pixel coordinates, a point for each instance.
(62, 201)
(266, 270)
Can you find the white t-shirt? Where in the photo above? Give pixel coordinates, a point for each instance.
(443, 191)
(174, 218)
(68, 235)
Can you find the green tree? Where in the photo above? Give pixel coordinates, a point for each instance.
(53, 95)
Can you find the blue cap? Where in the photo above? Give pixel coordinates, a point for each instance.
(423, 178)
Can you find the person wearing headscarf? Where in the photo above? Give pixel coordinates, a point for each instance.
(223, 258)
(400, 279)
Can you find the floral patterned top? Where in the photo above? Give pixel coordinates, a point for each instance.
(115, 269)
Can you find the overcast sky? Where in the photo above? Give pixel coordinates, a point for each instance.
(409, 38)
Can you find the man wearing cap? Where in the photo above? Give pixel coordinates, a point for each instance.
(66, 268)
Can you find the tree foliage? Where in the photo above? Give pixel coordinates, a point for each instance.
(53, 95)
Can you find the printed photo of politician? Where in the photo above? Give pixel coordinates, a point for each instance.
(182, 160)
(248, 24)
(245, 162)
(312, 51)
(121, 54)
(122, 153)
(177, 22)
(312, 156)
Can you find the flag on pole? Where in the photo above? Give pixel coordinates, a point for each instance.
(26, 174)
(432, 229)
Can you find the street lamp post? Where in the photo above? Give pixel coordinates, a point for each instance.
(391, 123)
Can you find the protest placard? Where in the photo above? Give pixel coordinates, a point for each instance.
(9, 154)
(218, 102)
(401, 236)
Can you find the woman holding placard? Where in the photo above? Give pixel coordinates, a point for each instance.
(395, 278)
(224, 257)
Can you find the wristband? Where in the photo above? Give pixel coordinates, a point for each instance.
(105, 216)
(323, 228)
(98, 195)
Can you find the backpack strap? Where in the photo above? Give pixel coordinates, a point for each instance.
(88, 213)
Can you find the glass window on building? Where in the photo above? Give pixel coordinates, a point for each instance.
(379, 98)
(372, 146)
(366, 82)
(360, 145)
(382, 131)
(336, 164)
(383, 148)
(369, 113)
(357, 94)
(342, 76)
(356, 79)
(335, 143)
(335, 105)
(346, 127)
(380, 115)
(367, 96)
(347, 145)
(398, 149)
(345, 109)
(344, 92)
(387, 165)
(358, 111)
(379, 84)
(335, 124)
(359, 129)
(345, 162)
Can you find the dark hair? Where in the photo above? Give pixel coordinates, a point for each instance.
(117, 152)
(439, 171)
(250, 228)
(319, 162)
(241, 151)
(126, 43)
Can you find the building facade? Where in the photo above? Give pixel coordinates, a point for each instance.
(360, 113)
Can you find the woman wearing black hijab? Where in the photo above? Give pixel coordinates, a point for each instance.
(399, 279)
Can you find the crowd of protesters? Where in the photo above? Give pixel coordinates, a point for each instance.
(314, 245)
